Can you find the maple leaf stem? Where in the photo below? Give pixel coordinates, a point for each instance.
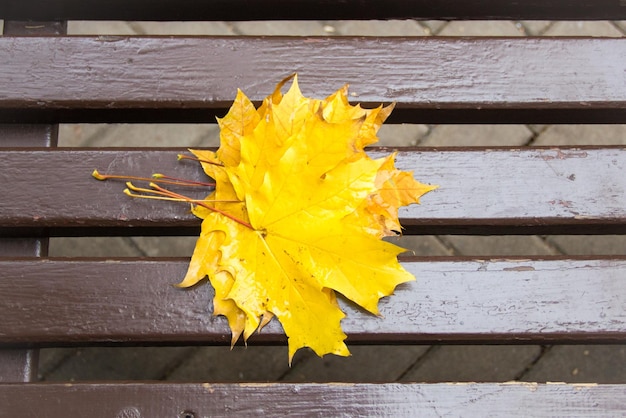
(160, 178)
(165, 194)
(176, 180)
(211, 208)
(204, 205)
(160, 191)
(186, 157)
(228, 215)
(128, 192)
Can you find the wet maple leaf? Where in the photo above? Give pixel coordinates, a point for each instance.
(298, 213)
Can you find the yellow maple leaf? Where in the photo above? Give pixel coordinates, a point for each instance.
(297, 214)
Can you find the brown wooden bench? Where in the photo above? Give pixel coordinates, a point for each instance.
(47, 78)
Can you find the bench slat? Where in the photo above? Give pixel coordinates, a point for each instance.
(537, 190)
(311, 399)
(60, 301)
(432, 80)
(310, 9)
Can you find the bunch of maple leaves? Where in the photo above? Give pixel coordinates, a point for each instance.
(298, 213)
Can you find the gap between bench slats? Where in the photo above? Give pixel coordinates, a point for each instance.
(60, 301)
(504, 80)
(331, 399)
(495, 191)
(311, 9)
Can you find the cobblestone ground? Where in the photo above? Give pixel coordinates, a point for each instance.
(406, 363)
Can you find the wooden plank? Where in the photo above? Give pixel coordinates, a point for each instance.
(482, 191)
(60, 301)
(266, 399)
(311, 9)
(431, 79)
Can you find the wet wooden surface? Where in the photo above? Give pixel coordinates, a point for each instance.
(111, 78)
(123, 300)
(566, 190)
(192, 400)
(393, 399)
(311, 9)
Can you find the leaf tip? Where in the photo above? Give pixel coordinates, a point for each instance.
(234, 338)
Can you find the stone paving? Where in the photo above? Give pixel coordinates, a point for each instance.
(598, 363)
